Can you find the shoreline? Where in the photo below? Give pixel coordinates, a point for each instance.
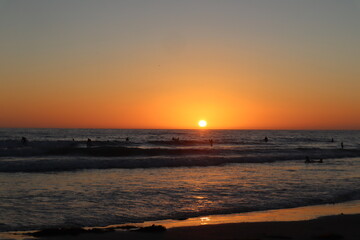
(298, 215)
(273, 215)
(325, 228)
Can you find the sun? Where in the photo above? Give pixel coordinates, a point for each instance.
(202, 123)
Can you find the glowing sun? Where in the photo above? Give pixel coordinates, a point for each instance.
(202, 123)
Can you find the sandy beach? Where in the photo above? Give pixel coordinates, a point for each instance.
(328, 221)
(331, 227)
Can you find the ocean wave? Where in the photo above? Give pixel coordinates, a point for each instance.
(12, 148)
(57, 164)
(62, 155)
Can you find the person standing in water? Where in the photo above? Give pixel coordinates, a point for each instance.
(88, 143)
(24, 141)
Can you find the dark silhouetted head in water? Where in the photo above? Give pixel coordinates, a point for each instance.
(88, 144)
(127, 139)
(266, 139)
(24, 140)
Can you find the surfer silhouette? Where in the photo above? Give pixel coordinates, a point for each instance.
(88, 143)
(24, 141)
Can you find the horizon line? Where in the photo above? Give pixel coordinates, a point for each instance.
(200, 129)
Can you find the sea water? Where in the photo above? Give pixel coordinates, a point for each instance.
(98, 177)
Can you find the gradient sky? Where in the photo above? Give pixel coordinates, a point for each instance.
(271, 64)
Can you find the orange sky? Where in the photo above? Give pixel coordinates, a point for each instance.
(142, 65)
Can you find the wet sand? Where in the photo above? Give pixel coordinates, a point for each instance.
(328, 221)
(331, 227)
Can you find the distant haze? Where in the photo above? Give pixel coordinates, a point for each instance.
(271, 64)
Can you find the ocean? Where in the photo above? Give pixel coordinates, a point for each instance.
(100, 177)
